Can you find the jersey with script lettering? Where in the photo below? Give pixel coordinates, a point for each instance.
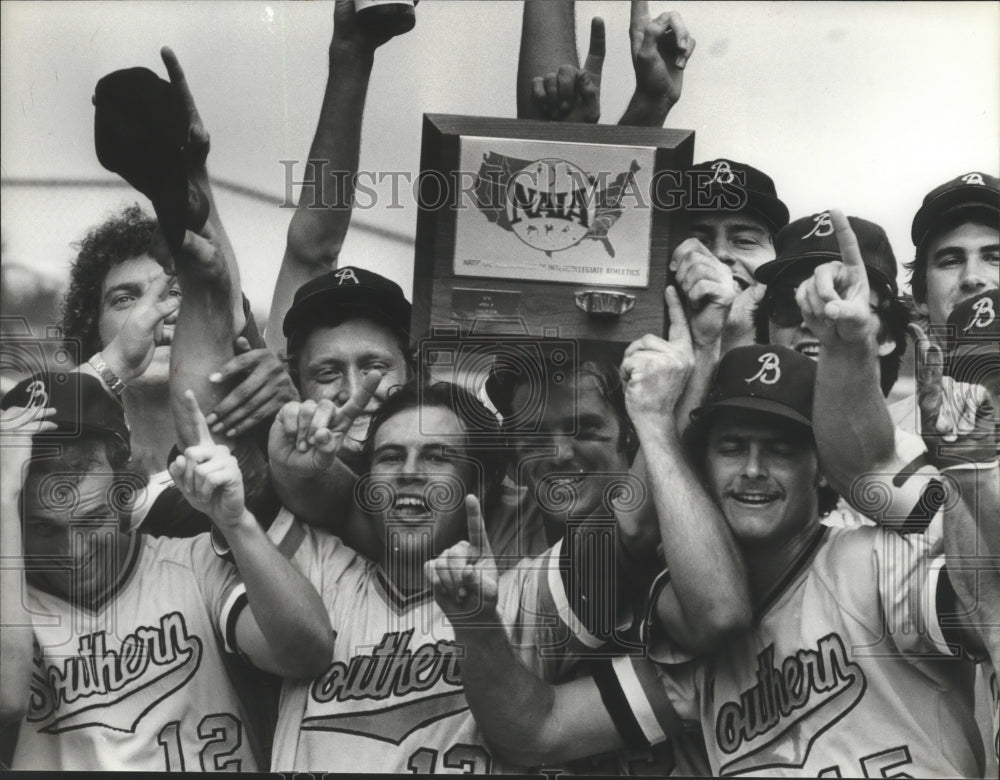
(392, 700)
(845, 672)
(140, 681)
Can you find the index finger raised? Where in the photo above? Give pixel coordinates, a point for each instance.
(679, 330)
(850, 253)
(356, 404)
(196, 419)
(477, 528)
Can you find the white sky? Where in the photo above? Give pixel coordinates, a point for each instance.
(862, 106)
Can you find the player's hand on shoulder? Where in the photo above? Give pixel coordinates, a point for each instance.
(208, 474)
(708, 286)
(655, 371)
(464, 577)
(266, 386)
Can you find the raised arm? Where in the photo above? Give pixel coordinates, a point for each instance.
(661, 48)
(527, 721)
(855, 436)
(548, 41)
(286, 629)
(319, 224)
(708, 597)
(16, 634)
(307, 475)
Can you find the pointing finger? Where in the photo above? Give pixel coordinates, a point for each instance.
(347, 413)
(850, 254)
(196, 419)
(477, 528)
(595, 56)
(679, 330)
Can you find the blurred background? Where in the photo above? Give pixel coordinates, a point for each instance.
(862, 106)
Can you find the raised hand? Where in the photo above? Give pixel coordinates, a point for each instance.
(655, 371)
(836, 300)
(709, 288)
(266, 387)
(661, 48)
(207, 473)
(574, 94)
(951, 412)
(131, 351)
(306, 436)
(464, 577)
(346, 29)
(199, 142)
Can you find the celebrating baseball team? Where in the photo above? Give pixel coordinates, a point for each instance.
(286, 546)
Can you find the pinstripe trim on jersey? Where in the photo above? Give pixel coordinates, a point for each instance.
(944, 602)
(230, 613)
(619, 706)
(558, 590)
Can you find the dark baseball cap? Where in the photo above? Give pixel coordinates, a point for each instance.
(140, 131)
(763, 378)
(761, 198)
(973, 191)
(344, 294)
(811, 241)
(82, 405)
(973, 338)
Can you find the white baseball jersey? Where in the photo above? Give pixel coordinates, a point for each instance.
(392, 699)
(844, 674)
(139, 682)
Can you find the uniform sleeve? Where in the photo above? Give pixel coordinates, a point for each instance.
(536, 609)
(221, 588)
(648, 703)
(911, 591)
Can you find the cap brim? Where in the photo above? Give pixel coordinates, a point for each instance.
(763, 405)
(333, 306)
(771, 272)
(966, 196)
(762, 206)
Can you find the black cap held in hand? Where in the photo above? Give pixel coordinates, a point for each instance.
(140, 129)
(811, 241)
(973, 340)
(82, 405)
(763, 378)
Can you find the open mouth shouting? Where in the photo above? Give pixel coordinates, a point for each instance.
(809, 348)
(409, 507)
(754, 498)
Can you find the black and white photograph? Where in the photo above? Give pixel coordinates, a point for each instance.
(534, 387)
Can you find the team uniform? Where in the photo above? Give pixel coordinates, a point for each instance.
(141, 682)
(845, 672)
(392, 699)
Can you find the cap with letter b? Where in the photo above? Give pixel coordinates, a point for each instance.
(812, 241)
(81, 404)
(763, 378)
(973, 192)
(973, 339)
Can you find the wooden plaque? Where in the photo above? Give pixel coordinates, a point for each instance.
(546, 229)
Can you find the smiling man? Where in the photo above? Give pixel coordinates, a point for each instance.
(132, 635)
(392, 698)
(844, 670)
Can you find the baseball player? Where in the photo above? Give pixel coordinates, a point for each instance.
(845, 669)
(131, 633)
(392, 699)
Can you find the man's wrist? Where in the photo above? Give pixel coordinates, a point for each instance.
(107, 368)
(239, 529)
(352, 50)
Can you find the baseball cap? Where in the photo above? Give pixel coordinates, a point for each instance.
(811, 241)
(347, 293)
(973, 338)
(763, 378)
(970, 191)
(140, 130)
(761, 196)
(81, 404)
